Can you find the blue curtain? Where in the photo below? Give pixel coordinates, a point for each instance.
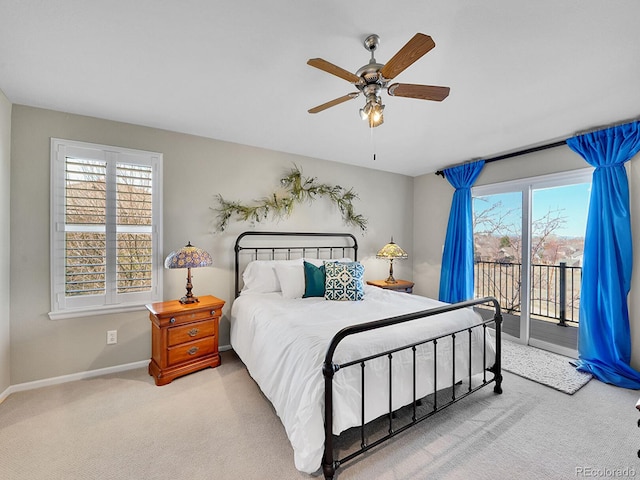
(604, 343)
(456, 276)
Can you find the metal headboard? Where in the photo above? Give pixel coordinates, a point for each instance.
(291, 245)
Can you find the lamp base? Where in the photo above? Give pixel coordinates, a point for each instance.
(390, 279)
(191, 299)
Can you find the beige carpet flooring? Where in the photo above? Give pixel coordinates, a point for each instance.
(215, 424)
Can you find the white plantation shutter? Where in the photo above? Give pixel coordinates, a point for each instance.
(84, 232)
(106, 214)
(134, 213)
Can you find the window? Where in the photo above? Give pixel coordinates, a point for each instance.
(106, 217)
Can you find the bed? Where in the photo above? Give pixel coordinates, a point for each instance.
(332, 366)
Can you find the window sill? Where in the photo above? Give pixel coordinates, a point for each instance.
(92, 311)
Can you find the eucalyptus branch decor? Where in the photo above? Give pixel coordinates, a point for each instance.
(298, 189)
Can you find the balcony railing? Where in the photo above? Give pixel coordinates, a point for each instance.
(555, 289)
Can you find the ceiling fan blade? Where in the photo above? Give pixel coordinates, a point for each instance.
(333, 69)
(334, 102)
(423, 92)
(412, 51)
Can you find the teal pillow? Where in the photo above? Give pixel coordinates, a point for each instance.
(344, 281)
(313, 280)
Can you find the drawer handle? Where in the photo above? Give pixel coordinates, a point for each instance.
(193, 332)
(213, 312)
(193, 350)
(173, 320)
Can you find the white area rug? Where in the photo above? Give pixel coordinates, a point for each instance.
(543, 367)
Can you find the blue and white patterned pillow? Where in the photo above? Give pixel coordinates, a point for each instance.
(343, 281)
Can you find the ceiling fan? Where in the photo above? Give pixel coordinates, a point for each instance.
(373, 77)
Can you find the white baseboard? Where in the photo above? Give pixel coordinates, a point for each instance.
(504, 336)
(567, 352)
(21, 387)
(4, 395)
(511, 338)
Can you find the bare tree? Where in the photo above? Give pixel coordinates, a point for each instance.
(498, 243)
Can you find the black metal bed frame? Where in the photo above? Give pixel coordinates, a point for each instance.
(329, 463)
(289, 250)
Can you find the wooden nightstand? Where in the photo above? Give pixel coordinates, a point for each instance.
(400, 285)
(184, 338)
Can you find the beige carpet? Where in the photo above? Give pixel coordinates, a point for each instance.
(215, 424)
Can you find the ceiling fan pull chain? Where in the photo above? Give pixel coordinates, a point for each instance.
(373, 144)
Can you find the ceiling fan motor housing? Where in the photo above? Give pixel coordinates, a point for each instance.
(370, 73)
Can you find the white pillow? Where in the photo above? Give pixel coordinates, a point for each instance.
(260, 275)
(318, 262)
(291, 278)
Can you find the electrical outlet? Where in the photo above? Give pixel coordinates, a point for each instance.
(112, 337)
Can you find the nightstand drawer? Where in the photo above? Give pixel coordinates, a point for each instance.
(191, 331)
(191, 350)
(186, 317)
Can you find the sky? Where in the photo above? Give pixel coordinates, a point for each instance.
(571, 201)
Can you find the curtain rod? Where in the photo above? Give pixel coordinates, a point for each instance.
(549, 145)
(518, 153)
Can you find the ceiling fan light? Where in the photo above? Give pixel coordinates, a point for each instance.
(365, 112)
(376, 112)
(375, 120)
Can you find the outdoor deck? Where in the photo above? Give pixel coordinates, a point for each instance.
(554, 303)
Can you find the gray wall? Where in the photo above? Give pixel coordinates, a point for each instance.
(5, 174)
(432, 201)
(415, 211)
(195, 170)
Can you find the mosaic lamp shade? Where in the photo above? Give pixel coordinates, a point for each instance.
(188, 257)
(391, 251)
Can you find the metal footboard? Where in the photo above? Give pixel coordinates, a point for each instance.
(330, 463)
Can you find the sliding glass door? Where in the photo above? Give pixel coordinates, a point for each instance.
(529, 240)
(497, 235)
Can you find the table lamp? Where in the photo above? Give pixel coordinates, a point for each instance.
(391, 251)
(188, 257)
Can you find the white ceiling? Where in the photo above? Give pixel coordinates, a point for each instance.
(521, 73)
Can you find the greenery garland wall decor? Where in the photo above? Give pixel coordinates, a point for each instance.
(298, 189)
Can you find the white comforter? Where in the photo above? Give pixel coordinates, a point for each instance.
(283, 342)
